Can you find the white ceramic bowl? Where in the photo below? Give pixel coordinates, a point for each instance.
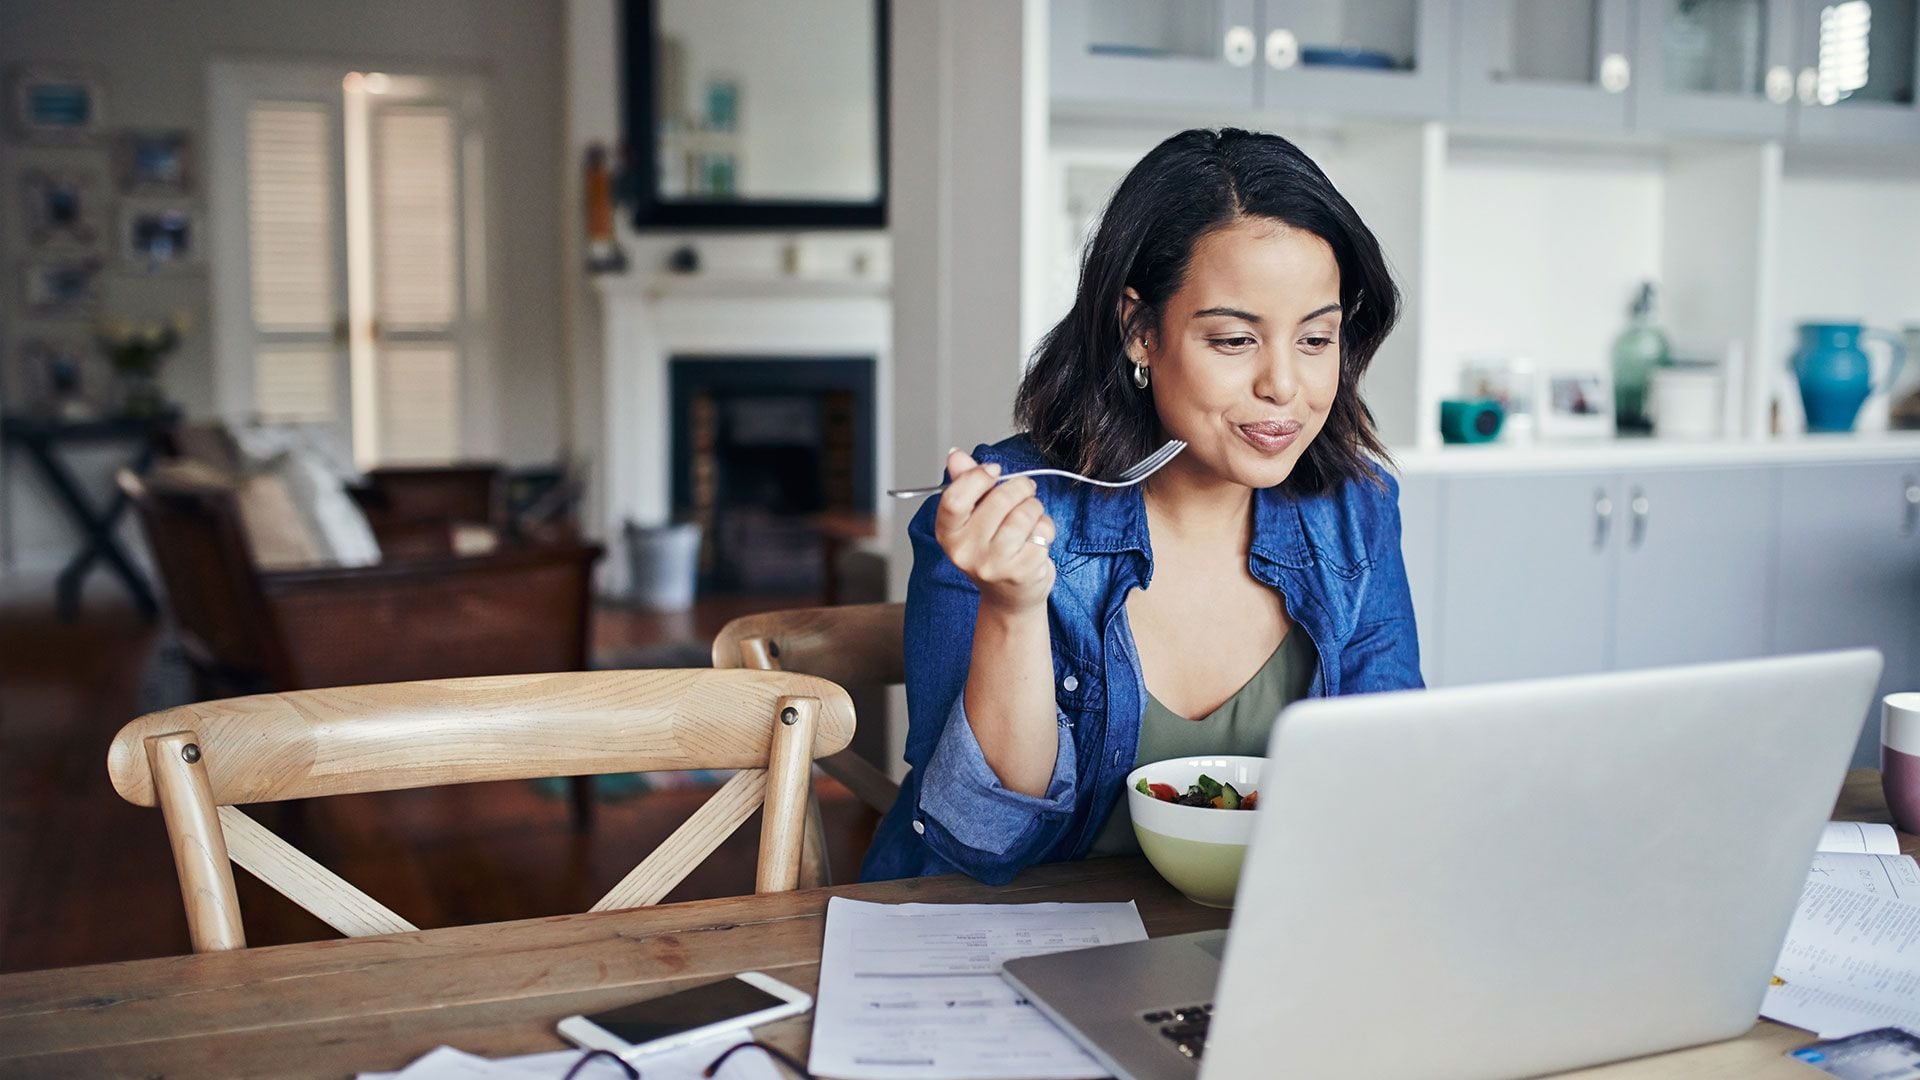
(1198, 849)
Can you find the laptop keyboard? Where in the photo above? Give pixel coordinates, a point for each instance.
(1185, 1027)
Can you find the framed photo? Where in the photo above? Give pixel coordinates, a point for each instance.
(154, 162)
(159, 237)
(1511, 381)
(1576, 405)
(61, 288)
(55, 376)
(56, 106)
(62, 208)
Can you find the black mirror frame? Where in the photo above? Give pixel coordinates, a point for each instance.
(652, 213)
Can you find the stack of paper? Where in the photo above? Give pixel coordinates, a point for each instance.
(913, 991)
(1852, 956)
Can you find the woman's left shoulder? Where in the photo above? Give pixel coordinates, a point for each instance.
(1353, 520)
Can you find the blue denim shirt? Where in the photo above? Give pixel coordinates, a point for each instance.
(1335, 559)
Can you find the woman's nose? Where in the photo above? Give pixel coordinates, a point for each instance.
(1278, 379)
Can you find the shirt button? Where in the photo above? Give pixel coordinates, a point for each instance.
(1070, 684)
(919, 827)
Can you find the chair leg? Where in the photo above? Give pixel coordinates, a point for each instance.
(815, 871)
(582, 792)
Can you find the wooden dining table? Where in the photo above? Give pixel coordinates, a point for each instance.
(334, 1008)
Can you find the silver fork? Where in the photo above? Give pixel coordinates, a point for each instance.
(1139, 471)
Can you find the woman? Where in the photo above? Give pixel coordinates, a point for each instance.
(1057, 634)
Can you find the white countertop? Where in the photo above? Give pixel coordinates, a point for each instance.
(1640, 453)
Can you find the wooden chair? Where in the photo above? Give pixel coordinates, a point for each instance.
(515, 611)
(855, 645)
(199, 763)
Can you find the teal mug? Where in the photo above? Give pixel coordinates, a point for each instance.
(1471, 421)
(1835, 374)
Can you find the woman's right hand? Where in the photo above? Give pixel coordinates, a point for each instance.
(996, 535)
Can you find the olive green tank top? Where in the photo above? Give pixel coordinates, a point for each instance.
(1239, 726)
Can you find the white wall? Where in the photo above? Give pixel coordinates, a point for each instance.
(152, 60)
(1540, 254)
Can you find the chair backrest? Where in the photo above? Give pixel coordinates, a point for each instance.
(206, 562)
(854, 645)
(199, 762)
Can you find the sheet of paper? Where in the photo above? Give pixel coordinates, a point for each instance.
(1859, 837)
(913, 991)
(1897, 876)
(1851, 961)
(447, 1063)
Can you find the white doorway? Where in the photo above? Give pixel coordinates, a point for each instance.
(349, 245)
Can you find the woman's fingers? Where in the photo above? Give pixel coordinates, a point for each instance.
(1017, 529)
(970, 482)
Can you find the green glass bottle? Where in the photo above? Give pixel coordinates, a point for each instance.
(1640, 348)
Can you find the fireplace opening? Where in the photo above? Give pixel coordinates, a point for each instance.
(769, 457)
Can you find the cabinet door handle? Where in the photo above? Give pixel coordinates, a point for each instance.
(1912, 522)
(1616, 74)
(1283, 50)
(1238, 48)
(1641, 511)
(1602, 518)
(1780, 84)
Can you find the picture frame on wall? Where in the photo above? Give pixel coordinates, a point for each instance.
(56, 288)
(154, 162)
(159, 237)
(55, 375)
(62, 208)
(57, 105)
(1576, 405)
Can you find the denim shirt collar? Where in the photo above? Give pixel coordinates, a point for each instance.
(1115, 522)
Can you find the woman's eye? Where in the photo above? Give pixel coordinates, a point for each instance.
(1316, 342)
(1238, 341)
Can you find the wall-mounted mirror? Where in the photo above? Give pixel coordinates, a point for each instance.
(757, 113)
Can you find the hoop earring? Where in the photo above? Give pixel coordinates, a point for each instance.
(1140, 376)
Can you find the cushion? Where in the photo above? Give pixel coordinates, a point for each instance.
(276, 529)
(315, 469)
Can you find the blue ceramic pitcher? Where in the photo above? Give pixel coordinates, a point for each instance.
(1835, 375)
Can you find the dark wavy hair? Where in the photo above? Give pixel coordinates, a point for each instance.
(1077, 402)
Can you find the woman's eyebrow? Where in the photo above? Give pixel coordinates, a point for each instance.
(1316, 313)
(1231, 313)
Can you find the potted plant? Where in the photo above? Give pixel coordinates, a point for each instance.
(136, 350)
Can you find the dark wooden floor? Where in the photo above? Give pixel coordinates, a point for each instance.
(86, 878)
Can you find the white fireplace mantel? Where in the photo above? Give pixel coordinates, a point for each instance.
(649, 319)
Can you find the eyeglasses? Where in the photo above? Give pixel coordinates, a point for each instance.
(633, 1072)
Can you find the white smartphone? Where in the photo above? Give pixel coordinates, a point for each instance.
(749, 999)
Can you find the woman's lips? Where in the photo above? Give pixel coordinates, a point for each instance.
(1270, 436)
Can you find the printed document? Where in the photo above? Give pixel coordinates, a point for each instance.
(913, 991)
(1851, 960)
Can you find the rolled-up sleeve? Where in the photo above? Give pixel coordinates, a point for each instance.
(963, 813)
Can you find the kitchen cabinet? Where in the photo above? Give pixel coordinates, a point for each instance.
(1724, 67)
(1564, 64)
(1848, 569)
(1568, 573)
(1693, 549)
(1859, 63)
(1197, 54)
(1359, 57)
(1524, 576)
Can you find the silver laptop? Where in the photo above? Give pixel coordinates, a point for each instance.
(1494, 881)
